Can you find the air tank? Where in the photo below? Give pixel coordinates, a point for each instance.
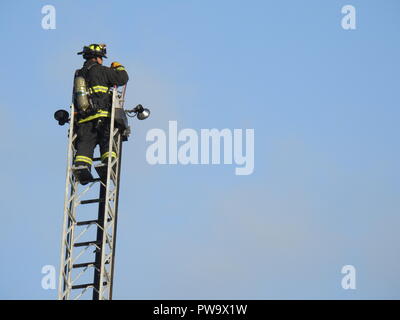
(81, 94)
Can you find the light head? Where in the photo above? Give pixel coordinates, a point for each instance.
(142, 113)
(62, 116)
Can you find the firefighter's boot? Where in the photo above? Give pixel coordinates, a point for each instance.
(82, 174)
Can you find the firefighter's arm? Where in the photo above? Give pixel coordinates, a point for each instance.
(117, 74)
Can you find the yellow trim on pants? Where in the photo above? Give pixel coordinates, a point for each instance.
(105, 155)
(83, 159)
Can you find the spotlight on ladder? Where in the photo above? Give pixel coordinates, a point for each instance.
(62, 116)
(139, 111)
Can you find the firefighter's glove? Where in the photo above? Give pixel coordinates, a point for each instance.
(115, 64)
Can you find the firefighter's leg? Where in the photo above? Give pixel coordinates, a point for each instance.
(86, 142)
(104, 139)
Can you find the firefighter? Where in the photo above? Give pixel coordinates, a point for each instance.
(93, 124)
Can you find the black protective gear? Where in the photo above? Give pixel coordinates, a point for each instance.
(90, 134)
(99, 79)
(94, 128)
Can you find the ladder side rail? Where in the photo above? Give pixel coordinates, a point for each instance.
(111, 214)
(116, 199)
(105, 279)
(116, 214)
(69, 190)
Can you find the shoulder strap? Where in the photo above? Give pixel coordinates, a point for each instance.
(82, 72)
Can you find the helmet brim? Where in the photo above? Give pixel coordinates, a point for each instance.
(94, 55)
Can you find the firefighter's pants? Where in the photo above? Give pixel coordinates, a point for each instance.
(89, 134)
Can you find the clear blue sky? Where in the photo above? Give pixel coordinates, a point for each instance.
(324, 104)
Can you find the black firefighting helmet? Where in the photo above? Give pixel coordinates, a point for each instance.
(94, 50)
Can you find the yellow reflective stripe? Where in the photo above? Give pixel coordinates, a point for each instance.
(99, 89)
(120, 68)
(103, 87)
(99, 114)
(93, 117)
(83, 159)
(105, 155)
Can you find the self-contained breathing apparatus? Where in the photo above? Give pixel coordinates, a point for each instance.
(85, 105)
(83, 102)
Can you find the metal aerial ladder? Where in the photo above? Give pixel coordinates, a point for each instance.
(88, 241)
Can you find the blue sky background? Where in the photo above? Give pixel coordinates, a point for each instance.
(324, 106)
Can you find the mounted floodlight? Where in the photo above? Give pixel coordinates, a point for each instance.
(139, 111)
(142, 113)
(62, 116)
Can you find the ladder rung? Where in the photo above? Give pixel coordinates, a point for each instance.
(92, 201)
(84, 244)
(83, 265)
(83, 286)
(84, 223)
